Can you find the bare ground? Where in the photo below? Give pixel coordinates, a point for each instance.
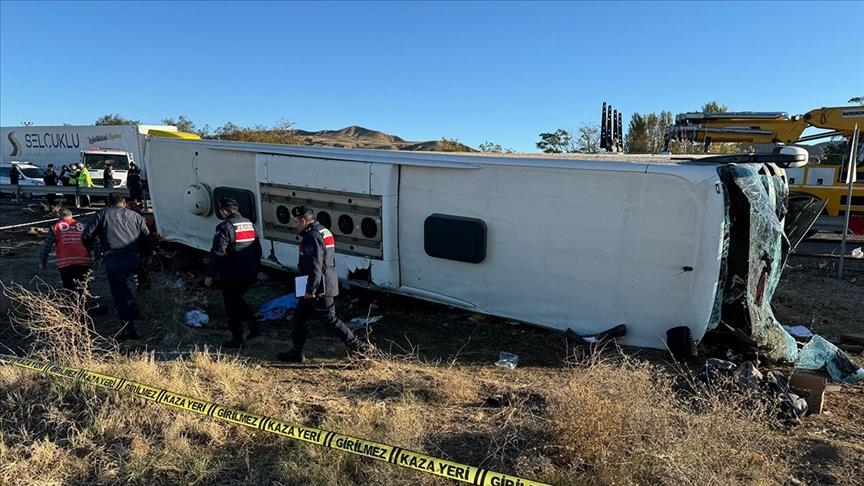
(823, 449)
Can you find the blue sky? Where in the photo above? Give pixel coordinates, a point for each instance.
(474, 71)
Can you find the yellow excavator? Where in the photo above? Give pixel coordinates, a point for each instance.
(764, 127)
(825, 182)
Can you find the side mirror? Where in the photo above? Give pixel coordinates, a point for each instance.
(793, 156)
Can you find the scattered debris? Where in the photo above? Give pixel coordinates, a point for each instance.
(278, 308)
(799, 331)
(507, 360)
(197, 318)
(503, 399)
(358, 322)
(852, 339)
(615, 332)
(811, 387)
(851, 348)
(819, 353)
(177, 283)
(771, 386)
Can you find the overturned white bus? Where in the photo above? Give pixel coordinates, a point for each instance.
(583, 243)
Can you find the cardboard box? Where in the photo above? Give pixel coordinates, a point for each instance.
(811, 388)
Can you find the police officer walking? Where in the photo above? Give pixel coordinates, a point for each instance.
(235, 256)
(122, 234)
(318, 262)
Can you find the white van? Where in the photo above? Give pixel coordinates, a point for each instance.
(32, 175)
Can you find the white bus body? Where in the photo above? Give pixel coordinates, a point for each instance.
(582, 243)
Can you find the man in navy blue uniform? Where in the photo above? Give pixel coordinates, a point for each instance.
(235, 257)
(318, 262)
(122, 234)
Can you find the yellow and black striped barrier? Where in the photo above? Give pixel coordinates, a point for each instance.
(346, 443)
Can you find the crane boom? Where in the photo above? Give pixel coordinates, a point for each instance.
(763, 127)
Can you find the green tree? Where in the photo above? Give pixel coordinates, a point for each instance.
(282, 133)
(490, 147)
(115, 119)
(453, 145)
(184, 124)
(857, 99)
(637, 140)
(714, 107)
(555, 142)
(587, 139)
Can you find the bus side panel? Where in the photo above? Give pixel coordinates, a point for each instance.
(584, 249)
(175, 165)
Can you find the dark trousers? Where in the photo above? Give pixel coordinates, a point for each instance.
(325, 308)
(72, 276)
(238, 310)
(120, 265)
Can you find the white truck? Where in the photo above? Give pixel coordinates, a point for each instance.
(92, 145)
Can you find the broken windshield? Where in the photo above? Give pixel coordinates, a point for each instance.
(757, 252)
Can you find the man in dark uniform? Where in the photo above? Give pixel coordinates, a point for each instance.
(123, 234)
(318, 262)
(235, 257)
(50, 179)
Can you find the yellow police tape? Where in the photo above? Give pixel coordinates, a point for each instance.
(361, 447)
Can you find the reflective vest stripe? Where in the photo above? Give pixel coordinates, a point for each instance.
(244, 232)
(329, 240)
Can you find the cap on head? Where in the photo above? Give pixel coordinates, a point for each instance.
(80, 165)
(302, 210)
(226, 203)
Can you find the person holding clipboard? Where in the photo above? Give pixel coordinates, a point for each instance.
(315, 293)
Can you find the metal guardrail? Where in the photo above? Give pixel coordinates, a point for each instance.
(65, 190)
(99, 193)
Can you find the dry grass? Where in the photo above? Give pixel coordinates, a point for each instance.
(58, 322)
(605, 419)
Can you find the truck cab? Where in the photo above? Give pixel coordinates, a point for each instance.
(96, 158)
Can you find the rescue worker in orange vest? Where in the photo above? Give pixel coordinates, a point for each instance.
(317, 261)
(235, 257)
(73, 260)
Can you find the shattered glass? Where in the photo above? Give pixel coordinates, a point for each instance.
(717, 310)
(768, 250)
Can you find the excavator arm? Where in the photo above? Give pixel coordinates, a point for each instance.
(763, 127)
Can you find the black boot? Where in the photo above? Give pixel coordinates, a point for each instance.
(361, 349)
(293, 356)
(254, 330)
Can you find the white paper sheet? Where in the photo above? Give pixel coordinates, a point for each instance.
(300, 285)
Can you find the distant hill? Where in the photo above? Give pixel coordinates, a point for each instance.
(364, 138)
